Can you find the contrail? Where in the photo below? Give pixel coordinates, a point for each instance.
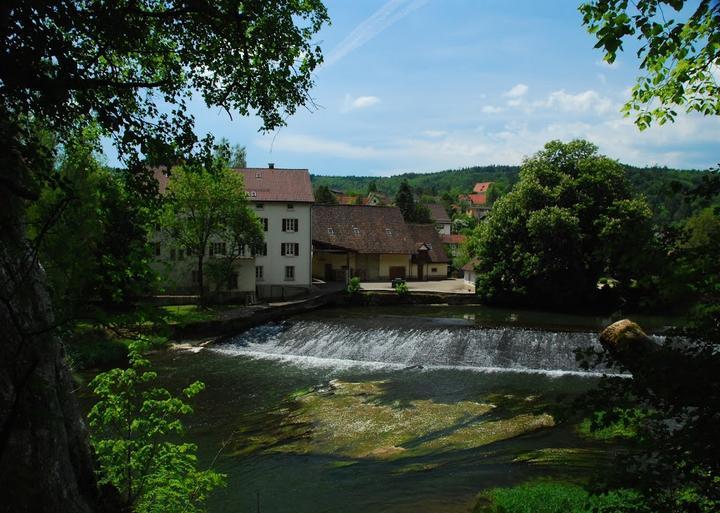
(389, 13)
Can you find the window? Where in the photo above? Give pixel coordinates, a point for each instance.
(253, 194)
(217, 248)
(289, 225)
(258, 175)
(156, 248)
(262, 251)
(259, 206)
(433, 269)
(289, 273)
(232, 281)
(259, 273)
(241, 250)
(356, 230)
(264, 221)
(388, 231)
(290, 206)
(331, 231)
(289, 249)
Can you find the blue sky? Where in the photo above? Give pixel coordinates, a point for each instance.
(426, 85)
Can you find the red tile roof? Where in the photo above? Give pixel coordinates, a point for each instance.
(478, 199)
(482, 187)
(454, 238)
(273, 184)
(363, 229)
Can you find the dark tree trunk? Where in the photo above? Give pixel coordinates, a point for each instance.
(201, 285)
(45, 457)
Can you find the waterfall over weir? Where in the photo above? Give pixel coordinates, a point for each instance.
(414, 343)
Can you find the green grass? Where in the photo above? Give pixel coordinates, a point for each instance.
(186, 314)
(557, 497)
(625, 427)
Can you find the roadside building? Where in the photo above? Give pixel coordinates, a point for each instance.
(374, 244)
(469, 273)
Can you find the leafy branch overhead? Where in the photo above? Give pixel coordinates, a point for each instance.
(679, 52)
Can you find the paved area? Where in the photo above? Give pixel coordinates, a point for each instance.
(455, 285)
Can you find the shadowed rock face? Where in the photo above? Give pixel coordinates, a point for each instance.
(45, 459)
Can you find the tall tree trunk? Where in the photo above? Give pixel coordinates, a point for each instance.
(201, 285)
(45, 457)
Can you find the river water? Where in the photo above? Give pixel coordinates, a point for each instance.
(403, 410)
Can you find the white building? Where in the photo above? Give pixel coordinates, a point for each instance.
(283, 199)
(443, 223)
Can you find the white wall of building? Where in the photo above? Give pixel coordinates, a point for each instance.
(274, 263)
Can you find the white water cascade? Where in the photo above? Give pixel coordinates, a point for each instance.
(404, 344)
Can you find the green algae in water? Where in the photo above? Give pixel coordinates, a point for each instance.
(349, 420)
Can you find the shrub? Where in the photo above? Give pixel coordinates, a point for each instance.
(354, 286)
(402, 289)
(132, 425)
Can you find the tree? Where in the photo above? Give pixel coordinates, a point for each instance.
(234, 156)
(323, 196)
(679, 55)
(570, 220)
(372, 187)
(131, 426)
(203, 204)
(66, 65)
(411, 212)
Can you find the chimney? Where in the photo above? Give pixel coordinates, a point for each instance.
(271, 165)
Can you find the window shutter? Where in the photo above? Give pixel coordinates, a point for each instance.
(297, 225)
(297, 249)
(282, 249)
(284, 225)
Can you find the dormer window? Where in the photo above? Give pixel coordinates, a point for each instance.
(331, 231)
(388, 231)
(253, 194)
(356, 230)
(258, 175)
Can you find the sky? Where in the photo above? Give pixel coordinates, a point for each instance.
(428, 85)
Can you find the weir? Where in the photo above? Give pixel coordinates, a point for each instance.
(404, 345)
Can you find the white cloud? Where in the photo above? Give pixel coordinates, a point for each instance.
(434, 133)
(360, 102)
(582, 102)
(391, 12)
(491, 109)
(616, 137)
(516, 91)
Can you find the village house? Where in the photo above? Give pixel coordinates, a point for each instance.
(282, 199)
(374, 244)
(440, 217)
(477, 202)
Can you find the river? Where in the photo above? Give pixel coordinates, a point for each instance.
(387, 410)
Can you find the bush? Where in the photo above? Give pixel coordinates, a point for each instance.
(353, 287)
(402, 289)
(132, 427)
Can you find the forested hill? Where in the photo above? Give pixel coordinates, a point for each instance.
(656, 183)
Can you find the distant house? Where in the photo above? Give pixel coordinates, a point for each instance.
(376, 199)
(440, 217)
(478, 200)
(452, 242)
(373, 243)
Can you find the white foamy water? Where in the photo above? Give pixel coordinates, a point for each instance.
(346, 345)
